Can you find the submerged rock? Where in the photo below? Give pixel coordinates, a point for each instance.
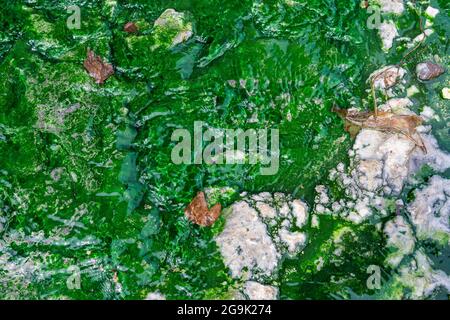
(172, 28)
(258, 231)
(255, 291)
(400, 237)
(428, 70)
(391, 6)
(381, 163)
(421, 37)
(419, 276)
(430, 211)
(446, 93)
(155, 296)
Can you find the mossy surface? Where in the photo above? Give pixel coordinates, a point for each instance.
(86, 177)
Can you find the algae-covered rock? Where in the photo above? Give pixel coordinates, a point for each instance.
(419, 277)
(172, 28)
(401, 238)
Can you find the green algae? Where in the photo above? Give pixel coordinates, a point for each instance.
(291, 61)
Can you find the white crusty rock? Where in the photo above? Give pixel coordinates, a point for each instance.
(299, 212)
(398, 106)
(430, 211)
(391, 6)
(388, 32)
(245, 242)
(255, 291)
(155, 296)
(293, 240)
(258, 231)
(381, 162)
(431, 12)
(428, 114)
(399, 237)
(435, 158)
(384, 159)
(446, 93)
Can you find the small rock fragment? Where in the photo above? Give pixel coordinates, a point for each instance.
(412, 91)
(446, 93)
(431, 12)
(293, 240)
(155, 296)
(428, 70)
(98, 69)
(197, 211)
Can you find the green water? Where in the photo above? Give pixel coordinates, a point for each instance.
(117, 180)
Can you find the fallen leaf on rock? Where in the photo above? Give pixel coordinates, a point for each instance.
(197, 211)
(428, 70)
(98, 69)
(383, 121)
(130, 27)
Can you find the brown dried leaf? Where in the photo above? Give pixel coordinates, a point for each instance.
(387, 121)
(197, 211)
(98, 69)
(383, 121)
(130, 27)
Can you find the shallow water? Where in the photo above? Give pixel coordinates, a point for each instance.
(104, 168)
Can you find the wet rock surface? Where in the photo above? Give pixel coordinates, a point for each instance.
(391, 6)
(88, 190)
(258, 231)
(428, 71)
(256, 291)
(173, 25)
(430, 211)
